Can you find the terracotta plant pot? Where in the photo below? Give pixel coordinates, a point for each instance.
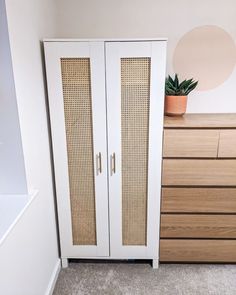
(175, 105)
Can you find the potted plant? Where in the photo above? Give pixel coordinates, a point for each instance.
(176, 95)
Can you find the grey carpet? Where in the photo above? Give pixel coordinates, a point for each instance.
(130, 278)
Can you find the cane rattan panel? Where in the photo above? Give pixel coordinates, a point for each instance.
(79, 135)
(135, 104)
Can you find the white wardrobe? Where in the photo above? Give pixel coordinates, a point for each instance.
(106, 102)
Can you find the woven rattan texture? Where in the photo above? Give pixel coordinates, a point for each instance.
(76, 84)
(135, 104)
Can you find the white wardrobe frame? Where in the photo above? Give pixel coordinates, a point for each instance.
(94, 51)
(114, 52)
(109, 243)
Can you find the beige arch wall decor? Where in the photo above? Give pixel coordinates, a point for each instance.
(207, 53)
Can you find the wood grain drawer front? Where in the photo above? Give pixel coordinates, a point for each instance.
(198, 250)
(227, 144)
(199, 172)
(198, 200)
(191, 143)
(198, 226)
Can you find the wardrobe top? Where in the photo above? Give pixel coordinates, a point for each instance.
(201, 121)
(105, 40)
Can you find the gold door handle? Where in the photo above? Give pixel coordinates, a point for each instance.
(98, 163)
(113, 163)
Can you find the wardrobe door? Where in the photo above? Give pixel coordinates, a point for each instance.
(76, 87)
(135, 73)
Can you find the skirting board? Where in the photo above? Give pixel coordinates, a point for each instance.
(53, 278)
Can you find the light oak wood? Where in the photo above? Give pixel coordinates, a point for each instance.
(227, 144)
(191, 143)
(199, 172)
(195, 237)
(197, 250)
(201, 121)
(198, 226)
(199, 200)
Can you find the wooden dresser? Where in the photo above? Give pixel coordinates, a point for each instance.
(198, 211)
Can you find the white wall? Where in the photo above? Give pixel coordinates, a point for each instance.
(28, 255)
(31, 255)
(154, 18)
(12, 171)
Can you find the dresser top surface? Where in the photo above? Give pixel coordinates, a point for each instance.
(201, 121)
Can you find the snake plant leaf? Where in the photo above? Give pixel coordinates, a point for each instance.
(186, 83)
(191, 87)
(181, 85)
(176, 81)
(174, 87)
(171, 80)
(170, 91)
(170, 85)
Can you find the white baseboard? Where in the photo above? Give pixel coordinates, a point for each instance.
(53, 278)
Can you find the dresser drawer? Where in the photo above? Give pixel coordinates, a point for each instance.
(198, 200)
(197, 250)
(227, 144)
(191, 143)
(198, 226)
(199, 172)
